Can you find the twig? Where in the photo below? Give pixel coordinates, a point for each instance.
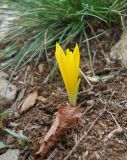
(52, 155)
(114, 119)
(123, 23)
(107, 59)
(112, 133)
(89, 53)
(45, 42)
(18, 101)
(87, 110)
(85, 77)
(115, 131)
(85, 91)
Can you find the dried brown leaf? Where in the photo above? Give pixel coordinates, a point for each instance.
(65, 117)
(41, 98)
(41, 67)
(29, 101)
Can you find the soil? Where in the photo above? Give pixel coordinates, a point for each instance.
(101, 133)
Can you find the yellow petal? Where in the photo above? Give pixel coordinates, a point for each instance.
(69, 68)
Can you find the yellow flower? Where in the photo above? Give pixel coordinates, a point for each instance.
(69, 67)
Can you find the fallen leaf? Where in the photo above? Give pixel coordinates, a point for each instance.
(41, 68)
(41, 98)
(29, 101)
(65, 117)
(16, 135)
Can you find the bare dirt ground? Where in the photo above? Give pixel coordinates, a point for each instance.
(101, 133)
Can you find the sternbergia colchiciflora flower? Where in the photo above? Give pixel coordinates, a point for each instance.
(68, 63)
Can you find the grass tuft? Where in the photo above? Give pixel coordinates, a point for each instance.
(40, 24)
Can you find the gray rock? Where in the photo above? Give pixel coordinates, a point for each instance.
(7, 90)
(11, 154)
(3, 75)
(7, 18)
(119, 50)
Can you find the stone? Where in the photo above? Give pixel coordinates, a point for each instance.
(119, 50)
(3, 75)
(8, 91)
(11, 154)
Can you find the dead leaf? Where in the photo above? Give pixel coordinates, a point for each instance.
(29, 101)
(41, 98)
(41, 67)
(65, 117)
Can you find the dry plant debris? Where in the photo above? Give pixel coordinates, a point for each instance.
(29, 101)
(65, 117)
(42, 99)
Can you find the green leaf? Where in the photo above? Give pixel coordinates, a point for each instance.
(3, 115)
(2, 145)
(39, 24)
(16, 135)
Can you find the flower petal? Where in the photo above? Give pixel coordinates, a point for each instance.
(69, 68)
